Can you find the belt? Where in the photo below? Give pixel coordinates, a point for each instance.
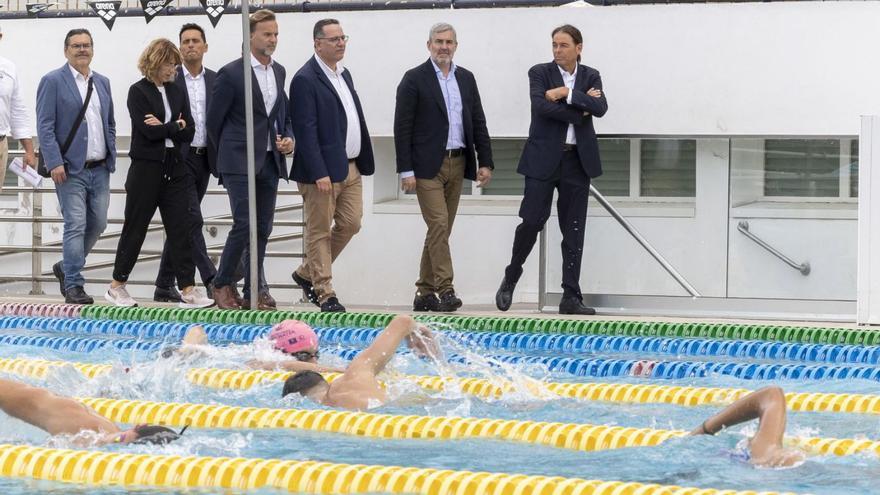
(569, 147)
(95, 163)
(198, 150)
(454, 153)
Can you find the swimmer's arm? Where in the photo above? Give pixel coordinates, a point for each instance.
(374, 358)
(291, 366)
(766, 404)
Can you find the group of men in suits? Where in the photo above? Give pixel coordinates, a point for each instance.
(441, 138)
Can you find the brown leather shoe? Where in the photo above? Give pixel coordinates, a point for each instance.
(238, 299)
(225, 297)
(265, 302)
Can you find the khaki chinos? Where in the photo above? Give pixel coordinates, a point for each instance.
(332, 219)
(438, 199)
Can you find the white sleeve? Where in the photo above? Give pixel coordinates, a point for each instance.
(19, 115)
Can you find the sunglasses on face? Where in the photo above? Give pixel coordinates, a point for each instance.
(305, 355)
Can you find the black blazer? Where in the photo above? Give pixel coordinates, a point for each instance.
(421, 125)
(148, 141)
(180, 81)
(226, 120)
(320, 126)
(543, 149)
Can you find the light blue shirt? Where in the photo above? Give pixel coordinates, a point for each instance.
(452, 97)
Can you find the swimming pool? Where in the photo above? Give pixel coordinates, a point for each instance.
(695, 462)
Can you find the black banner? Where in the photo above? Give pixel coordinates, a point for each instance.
(35, 8)
(107, 11)
(214, 9)
(152, 8)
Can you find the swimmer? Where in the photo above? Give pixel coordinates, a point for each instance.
(358, 387)
(291, 337)
(765, 448)
(63, 416)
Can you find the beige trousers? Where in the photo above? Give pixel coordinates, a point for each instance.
(4, 156)
(332, 219)
(438, 200)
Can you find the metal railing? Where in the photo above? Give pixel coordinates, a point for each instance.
(36, 219)
(804, 267)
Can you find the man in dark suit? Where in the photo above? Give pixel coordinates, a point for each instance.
(562, 154)
(82, 174)
(272, 137)
(438, 124)
(197, 82)
(333, 151)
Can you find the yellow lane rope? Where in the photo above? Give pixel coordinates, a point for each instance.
(104, 468)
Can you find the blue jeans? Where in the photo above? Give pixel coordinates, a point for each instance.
(84, 200)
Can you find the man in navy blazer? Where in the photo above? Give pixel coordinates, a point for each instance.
(332, 152)
(197, 82)
(82, 174)
(273, 138)
(438, 124)
(562, 154)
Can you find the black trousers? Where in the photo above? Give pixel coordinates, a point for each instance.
(148, 188)
(200, 174)
(574, 191)
(236, 188)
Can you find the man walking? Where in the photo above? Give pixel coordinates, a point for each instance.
(272, 139)
(200, 156)
(82, 173)
(438, 123)
(562, 154)
(333, 151)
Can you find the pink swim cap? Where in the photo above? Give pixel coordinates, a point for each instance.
(292, 336)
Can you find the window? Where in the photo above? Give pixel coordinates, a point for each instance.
(853, 168)
(668, 168)
(802, 167)
(505, 181)
(615, 155)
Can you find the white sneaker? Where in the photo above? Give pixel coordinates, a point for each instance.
(120, 297)
(195, 299)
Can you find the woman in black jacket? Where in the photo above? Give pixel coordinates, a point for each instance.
(160, 123)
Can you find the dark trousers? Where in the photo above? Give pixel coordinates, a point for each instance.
(236, 188)
(147, 188)
(200, 174)
(574, 190)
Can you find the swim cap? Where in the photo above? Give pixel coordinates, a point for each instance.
(292, 336)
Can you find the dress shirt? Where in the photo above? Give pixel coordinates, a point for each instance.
(198, 103)
(266, 79)
(568, 80)
(14, 118)
(452, 97)
(168, 143)
(96, 149)
(353, 130)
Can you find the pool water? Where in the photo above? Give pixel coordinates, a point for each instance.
(696, 462)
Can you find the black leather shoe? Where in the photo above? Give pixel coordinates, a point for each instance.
(448, 302)
(58, 271)
(167, 294)
(331, 305)
(428, 302)
(504, 296)
(308, 290)
(209, 288)
(574, 306)
(76, 295)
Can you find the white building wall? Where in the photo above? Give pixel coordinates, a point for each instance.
(700, 70)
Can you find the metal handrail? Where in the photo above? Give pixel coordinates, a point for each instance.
(36, 219)
(804, 267)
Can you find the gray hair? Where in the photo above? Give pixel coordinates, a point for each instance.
(442, 27)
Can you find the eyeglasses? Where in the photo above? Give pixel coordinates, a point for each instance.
(306, 355)
(81, 46)
(336, 39)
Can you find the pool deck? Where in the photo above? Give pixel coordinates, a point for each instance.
(517, 310)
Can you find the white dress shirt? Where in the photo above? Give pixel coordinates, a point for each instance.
(568, 80)
(353, 131)
(96, 149)
(168, 143)
(14, 115)
(266, 79)
(198, 105)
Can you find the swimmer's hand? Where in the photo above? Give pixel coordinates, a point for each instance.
(424, 344)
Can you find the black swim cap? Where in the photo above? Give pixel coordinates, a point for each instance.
(156, 435)
(301, 382)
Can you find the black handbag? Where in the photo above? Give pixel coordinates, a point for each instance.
(41, 164)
